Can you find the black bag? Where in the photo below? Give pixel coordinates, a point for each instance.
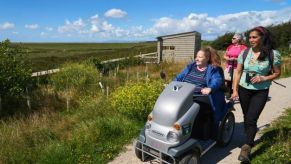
(249, 76)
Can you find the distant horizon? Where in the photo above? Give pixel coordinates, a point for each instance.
(133, 21)
(89, 42)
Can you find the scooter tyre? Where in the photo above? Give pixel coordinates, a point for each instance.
(190, 158)
(138, 153)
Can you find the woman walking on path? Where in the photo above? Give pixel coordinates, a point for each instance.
(257, 67)
(231, 55)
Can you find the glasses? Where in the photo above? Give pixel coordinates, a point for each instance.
(253, 37)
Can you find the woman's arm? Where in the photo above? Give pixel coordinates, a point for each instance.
(182, 74)
(216, 80)
(239, 70)
(225, 56)
(276, 73)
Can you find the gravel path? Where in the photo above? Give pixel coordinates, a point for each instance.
(280, 100)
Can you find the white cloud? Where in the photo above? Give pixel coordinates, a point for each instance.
(6, 26)
(95, 28)
(32, 26)
(43, 34)
(99, 25)
(106, 26)
(211, 27)
(49, 28)
(115, 13)
(75, 26)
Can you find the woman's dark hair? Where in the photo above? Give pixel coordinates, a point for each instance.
(267, 44)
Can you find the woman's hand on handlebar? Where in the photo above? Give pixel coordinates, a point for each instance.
(205, 91)
(234, 96)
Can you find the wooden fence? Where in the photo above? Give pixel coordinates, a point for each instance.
(148, 58)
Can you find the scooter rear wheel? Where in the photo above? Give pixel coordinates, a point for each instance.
(226, 130)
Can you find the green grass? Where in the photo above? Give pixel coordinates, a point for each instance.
(275, 143)
(92, 133)
(44, 56)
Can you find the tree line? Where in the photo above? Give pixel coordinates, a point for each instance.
(281, 37)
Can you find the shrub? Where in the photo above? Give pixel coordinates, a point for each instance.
(78, 78)
(136, 100)
(15, 73)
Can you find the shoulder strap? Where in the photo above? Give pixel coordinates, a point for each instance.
(271, 60)
(245, 54)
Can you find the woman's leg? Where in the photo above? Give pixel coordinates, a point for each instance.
(244, 98)
(256, 106)
(203, 121)
(252, 104)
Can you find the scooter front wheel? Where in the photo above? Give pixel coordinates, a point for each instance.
(190, 158)
(138, 153)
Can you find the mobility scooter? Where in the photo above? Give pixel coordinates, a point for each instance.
(171, 134)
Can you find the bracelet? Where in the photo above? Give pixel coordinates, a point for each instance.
(262, 78)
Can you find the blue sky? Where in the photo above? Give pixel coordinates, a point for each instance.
(133, 20)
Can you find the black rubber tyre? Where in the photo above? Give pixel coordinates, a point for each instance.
(190, 158)
(138, 153)
(226, 130)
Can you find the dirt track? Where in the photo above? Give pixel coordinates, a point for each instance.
(280, 100)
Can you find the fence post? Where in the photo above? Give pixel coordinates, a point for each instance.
(0, 104)
(28, 99)
(68, 95)
(137, 76)
(146, 72)
(107, 91)
(101, 86)
(127, 76)
(68, 102)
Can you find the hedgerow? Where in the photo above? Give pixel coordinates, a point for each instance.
(136, 100)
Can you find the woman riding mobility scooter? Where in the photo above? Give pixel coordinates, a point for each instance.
(175, 132)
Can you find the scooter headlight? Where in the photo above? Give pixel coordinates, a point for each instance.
(172, 136)
(148, 125)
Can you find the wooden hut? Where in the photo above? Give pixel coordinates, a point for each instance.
(177, 47)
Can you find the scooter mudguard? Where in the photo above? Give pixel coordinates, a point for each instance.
(189, 145)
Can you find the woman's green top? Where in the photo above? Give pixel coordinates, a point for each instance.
(261, 68)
